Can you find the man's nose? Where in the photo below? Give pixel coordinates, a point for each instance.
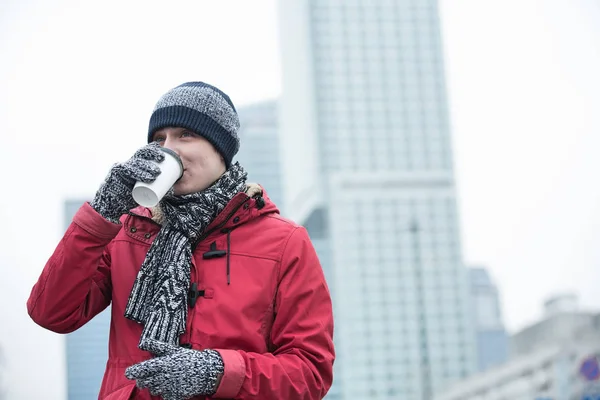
(171, 144)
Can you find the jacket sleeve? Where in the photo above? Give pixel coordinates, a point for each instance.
(301, 366)
(75, 284)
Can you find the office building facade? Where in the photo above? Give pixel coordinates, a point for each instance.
(366, 154)
(492, 339)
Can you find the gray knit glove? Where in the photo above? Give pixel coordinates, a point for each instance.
(114, 199)
(177, 373)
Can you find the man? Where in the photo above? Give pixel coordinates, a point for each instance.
(213, 293)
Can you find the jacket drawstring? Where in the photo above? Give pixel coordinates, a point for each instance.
(228, 252)
(213, 252)
(260, 202)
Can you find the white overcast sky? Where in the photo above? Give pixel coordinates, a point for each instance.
(79, 79)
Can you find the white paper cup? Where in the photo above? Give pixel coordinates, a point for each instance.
(171, 169)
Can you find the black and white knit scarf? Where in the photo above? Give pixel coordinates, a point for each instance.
(158, 299)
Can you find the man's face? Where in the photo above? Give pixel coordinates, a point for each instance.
(202, 163)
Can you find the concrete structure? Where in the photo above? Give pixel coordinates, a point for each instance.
(366, 156)
(556, 358)
(492, 339)
(557, 326)
(560, 304)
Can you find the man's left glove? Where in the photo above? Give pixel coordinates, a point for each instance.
(177, 373)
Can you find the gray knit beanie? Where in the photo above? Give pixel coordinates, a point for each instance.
(203, 109)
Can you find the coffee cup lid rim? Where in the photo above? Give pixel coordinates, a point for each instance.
(171, 152)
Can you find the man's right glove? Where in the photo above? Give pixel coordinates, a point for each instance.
(113, 198)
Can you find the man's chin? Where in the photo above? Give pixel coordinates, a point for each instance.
(179, 190)
(182, 190)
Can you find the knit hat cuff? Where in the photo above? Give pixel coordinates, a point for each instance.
(199, 123)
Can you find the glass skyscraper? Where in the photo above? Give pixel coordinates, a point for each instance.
(259, 149)
(87, 347)
(492, 339)
(366, 155)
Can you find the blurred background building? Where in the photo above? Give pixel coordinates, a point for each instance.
(364, 113)
(87, 347)
(492, 339)
(556, 358)
(259, 152)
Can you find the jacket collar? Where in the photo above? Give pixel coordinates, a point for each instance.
(244, 207)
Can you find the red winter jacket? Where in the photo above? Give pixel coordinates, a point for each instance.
(272, 323)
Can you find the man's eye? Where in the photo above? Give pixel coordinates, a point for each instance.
(159, 139)
(186, 134)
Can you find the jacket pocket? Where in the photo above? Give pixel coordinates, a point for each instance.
(116, 386)
(123, 393)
